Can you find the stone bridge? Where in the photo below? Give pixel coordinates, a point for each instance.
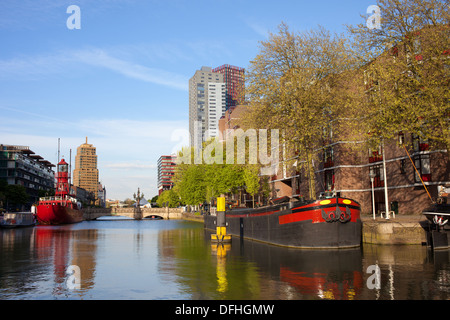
(164, 213)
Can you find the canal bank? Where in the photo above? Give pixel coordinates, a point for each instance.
(189, 216)
(401, 230)
(408, 229)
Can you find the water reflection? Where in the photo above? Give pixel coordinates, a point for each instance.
(253, 270)
(303, 274)
(35, 260)
(176, 260)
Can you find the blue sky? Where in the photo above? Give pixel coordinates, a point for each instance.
(122, 79)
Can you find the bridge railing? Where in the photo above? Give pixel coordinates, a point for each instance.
(167, 213)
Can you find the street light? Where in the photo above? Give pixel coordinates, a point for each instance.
(386, 200)
(372, 175)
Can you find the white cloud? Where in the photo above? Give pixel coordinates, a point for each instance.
(128, 150)
(257, 27)
(100, 58)
(131, 165)
(68, 62)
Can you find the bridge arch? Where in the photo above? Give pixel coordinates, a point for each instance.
(153, 216)
(147, 213)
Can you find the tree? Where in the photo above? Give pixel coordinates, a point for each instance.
(197, 183)
(292, 86)
(3, 187)
(129, 202)
(16, 194)
(170, 197)
(252, 181)
(190, 184)
(406, 72)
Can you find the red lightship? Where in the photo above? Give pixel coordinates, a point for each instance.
(63, 207)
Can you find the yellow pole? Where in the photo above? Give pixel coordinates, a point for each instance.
(221, 229)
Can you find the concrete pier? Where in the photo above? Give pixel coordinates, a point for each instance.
(410, 229)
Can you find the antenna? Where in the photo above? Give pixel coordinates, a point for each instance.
(58, 156)
(70, 168)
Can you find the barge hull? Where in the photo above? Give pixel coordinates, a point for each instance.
(299, 227)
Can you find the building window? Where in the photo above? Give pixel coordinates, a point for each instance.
(419, 143)
(328, 158)
(375, 155)
(377, 172)
(422, 163)
(329, 180)
(402, 166)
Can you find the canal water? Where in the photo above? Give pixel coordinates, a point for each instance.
(174, 259)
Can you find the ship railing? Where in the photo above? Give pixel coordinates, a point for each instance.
(60, 198)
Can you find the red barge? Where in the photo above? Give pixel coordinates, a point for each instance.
(63, 208)
(332, 223)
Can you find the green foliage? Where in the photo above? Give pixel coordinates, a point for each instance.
(190, 184)
(197, 183)
(169, 196)
(251, 180)
(16, 194)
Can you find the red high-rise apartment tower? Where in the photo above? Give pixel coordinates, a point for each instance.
(234, 84)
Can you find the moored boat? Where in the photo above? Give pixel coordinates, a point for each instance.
(438, 214)
(18, 219)
(63, 208)
(332, 223)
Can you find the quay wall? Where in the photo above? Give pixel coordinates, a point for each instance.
(411, 230)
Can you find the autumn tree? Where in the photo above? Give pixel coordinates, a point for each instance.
(406, 72)
(291, 85)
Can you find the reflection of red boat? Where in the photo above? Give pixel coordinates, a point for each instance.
(324, 286)
(62, 208)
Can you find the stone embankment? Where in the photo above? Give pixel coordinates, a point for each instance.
(403, 229)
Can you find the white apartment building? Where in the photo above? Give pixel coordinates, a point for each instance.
(206, 104)
(216, 108)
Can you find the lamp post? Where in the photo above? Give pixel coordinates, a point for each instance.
(386, 200)
(372, 176)
(137, 210)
